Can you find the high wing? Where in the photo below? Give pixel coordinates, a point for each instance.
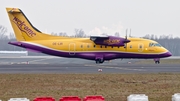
(109, 40)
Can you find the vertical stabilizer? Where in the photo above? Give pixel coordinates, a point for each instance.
(23, 29)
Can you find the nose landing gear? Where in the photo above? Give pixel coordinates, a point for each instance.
(157, 60)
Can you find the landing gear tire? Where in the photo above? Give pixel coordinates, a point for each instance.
(157, 62)
(98, 61)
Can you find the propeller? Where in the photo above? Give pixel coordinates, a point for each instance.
(126, 40)
(125, 45)
(130, 33)
(126, 34)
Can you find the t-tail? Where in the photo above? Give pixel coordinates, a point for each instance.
(23, 29)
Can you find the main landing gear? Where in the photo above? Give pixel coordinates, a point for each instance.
(98, 61)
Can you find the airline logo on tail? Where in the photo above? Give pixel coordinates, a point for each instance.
(23, 27)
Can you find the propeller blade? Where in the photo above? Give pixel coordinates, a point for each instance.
(126, 34)
(126, 40)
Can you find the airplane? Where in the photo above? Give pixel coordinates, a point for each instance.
(98, 48)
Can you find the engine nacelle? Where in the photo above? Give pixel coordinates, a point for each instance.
(111, 41)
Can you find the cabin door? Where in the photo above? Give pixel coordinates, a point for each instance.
(72, 48)
(140, 47)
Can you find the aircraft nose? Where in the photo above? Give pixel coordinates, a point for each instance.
(168, 54)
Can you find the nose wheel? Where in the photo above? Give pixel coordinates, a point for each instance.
(157, 60)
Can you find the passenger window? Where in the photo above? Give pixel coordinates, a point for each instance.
(87, 46)
(101, 46)
(111, 46)
(94, 46)
(81, 46)
(105, 46)
(130, 46)
(140, 46)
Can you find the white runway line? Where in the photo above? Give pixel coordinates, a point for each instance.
(38, 60)
(122, 68)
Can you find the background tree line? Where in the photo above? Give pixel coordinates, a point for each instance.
(168, 41)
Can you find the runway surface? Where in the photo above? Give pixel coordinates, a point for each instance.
(48, 64)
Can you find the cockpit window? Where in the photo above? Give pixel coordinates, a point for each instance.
(157, 44)
(154, 45)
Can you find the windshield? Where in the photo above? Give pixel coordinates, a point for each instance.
(154, 45)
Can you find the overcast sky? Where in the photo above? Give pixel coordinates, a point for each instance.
(159, 17)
